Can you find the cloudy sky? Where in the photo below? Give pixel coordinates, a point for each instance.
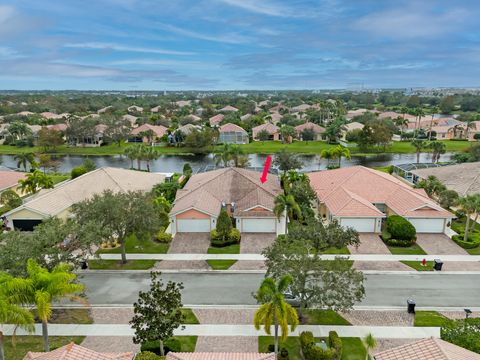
(238, 44)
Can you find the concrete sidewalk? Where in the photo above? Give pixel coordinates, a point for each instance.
(384, 332)
(259, 257)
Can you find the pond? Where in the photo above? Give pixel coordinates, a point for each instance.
(174, 163)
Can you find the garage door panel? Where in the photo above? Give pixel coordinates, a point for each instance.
(259, 225)
(193, 225)
(428, 225)
(361, 225)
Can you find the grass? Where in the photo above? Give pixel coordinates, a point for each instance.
(133, 245)
(430, 318)
(117, 264)
(190, 317)
(322, 317)
(417, 265)
(385, 169)
(475, 251)
(24, 344)
(411, 250)
(223, 264)
(333, 250)
(188, 343)
(58, 178)
(353, 348)
(70, 316)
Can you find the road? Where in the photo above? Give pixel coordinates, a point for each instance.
(429, 290)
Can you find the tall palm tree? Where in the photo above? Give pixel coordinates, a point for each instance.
(286, 203)
(419, 145)
(42, 287)
(419, 113)
(274, 309)
(339, 152)
(469, 205)
(370, 343)
(438, 148)
(224, 156)
(25, 159)
(435, 110)
(149, 153)
(239, 157)
(10, 311)
(34, 182)
(131, 153)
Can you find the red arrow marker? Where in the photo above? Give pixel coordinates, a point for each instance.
(265, 169)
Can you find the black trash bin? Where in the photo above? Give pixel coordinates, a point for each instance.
(411, 306)
(437, 264)
(84, 265)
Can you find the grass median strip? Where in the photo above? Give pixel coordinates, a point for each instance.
(430, 318)
(417, 265)
(410, 250)
(223, 264)
(117, 264)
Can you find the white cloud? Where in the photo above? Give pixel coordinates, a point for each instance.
(8, 53)
(126, 48)
(226, 38)
(262, 7)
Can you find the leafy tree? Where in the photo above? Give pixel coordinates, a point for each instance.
(119, 215)
(224, 224)
(25, 159)
(10, 199)
(199, 141)
(438, 148)
(274, 310)
(307, 134)
(304, 196)
(419, 145)
(286, 160)
(168, 190)
(286, 204)
(470, 205)
(187, 170)
(287, 133)
(35, 181)
(263, 135)
(49, 139)
(89, 165)
(157, 313)
(117, 129)
(47, 162)
(447, 104)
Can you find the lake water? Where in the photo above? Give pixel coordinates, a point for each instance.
(174, 163)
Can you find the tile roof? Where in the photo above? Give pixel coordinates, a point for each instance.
(354, 125)
(9, 178)
(352, 192)
(231, 128)
(217, 119)
(229, 108)
(270, 128)
(207, 191)
(317, 129)
(76, 352)
(159, 130)
(188, 128)
(53, 201)
(219, 356)
(427, 349)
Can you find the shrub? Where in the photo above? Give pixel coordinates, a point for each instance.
(335, 342)
(10, 199)
(77, 171)
(386, 236)
(219, 241)
(283, 354)
(471, 244)
(164, 237)
(234, 236)
(464, 333)
(224, 224)
(400, 228)
(171, 344)
(313, 352)
(147, 355)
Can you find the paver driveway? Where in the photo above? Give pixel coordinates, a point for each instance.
(370, 243)
(439, 244)
(254, 243)
(190, 243)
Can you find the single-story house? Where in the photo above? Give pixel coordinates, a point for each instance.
(25, 113)
(300, 108)
(9, 180)
(317, 129)
(135, 108)
(462, 178)
(268, 127)
(183, 103)
(352, 113)
(105, 109)
(137, 134)
(427, 349)
(239, 191)
(94, 140)
(362, 198)
(50, 115)
(131, 119)
(216, 120)
(351, 126)
(219, 356)
(194, 118)
(74, 351)
(58, 201)
(275, 117)
(155, 109)
(228, 108)
(232, 134)
(188, 128)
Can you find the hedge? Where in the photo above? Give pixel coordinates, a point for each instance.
(148, 355)
(471, 244)
(335, 342)
(164, 237)
(311, 351)
(400, 228)
(217, 241)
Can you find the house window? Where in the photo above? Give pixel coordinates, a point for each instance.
(381, 206)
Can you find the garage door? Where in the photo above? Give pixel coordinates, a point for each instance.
(361, 225)
(259, 225)
(25, 225)
(428, 225)
(193, 225)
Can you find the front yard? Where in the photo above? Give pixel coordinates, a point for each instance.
(414, 249)
(223, 264)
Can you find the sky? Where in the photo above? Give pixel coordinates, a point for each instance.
(238, 44)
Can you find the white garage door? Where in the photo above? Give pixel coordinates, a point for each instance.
(361, 225)
(193, 225)
(428, 225)
(259, 225)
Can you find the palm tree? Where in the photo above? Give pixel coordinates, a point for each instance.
(435, 109)
(35, 181)
(419, 113)
(287, 132)
(224, 156)
(469, 204)
(149, 153)
(42, 287)
(370, 343)
(24, 159)
(340, 151)
(286, 203)
(10, 311)
(438, 148)
(131, 153)
(328, 154)
(419, 145)
(274, 309)
(239, 157)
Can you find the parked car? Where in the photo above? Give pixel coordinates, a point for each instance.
(291, 299)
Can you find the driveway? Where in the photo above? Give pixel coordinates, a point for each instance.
(370, 243)
(439, 244)
(190, 243)
(254, 243)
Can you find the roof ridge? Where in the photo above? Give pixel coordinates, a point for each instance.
(356, 170)
(440, 347)
(253, 182)
(473, 182)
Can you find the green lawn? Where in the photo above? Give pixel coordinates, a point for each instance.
(322, 317)
(58, 178)
(411, 250)
(333, 250)
(70, 316)
(188, 343)
(140, 246)
(223, 264)
(190, 317)
(353, 348)
(385, 169)
(417, 265)
(24, 344)
(117, 264)
(475, 251)
(430, 318)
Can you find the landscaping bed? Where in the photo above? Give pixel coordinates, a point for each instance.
(417, 265)
(133, 245)
(175, 343)
(458, 225)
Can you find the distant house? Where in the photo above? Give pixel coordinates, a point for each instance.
(3, 132)
(389, 114)
(59, 200)
(219, 356)
(73, 351)
(105, 109)
(317, 130)
(232, 134)
(9, 180)
(188, 128)
(25, 113)
(228, 108)
(94, 139)
(194, 118)
(131, 119)
(351, 126)
(275, 118)
(49, 115)
(300, 108)
(216, 120)
(58, 127)
(352, 113)
(158, 132)
(155, 109)
(245, 117)
(183, 103)
(271, 129)
(135, 108)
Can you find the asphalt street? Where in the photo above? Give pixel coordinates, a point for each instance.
(428, 290)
